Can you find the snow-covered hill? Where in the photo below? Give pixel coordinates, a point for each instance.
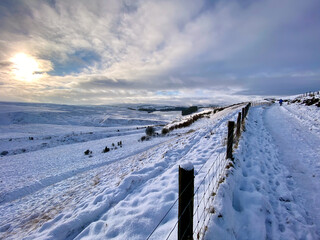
(50, 189)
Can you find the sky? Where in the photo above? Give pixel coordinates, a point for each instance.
(157, 51)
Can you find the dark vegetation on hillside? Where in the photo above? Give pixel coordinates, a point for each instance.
(151, 109)
(189, 110)
(161, 109)
(193, 118)
(151, 132)
(308, 102)
(89, 153)
(189, 121)
(307, 99)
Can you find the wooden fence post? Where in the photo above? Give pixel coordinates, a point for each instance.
(230, 139)
(247, 108)
(238, 132)
(185, 211)
(242, 115)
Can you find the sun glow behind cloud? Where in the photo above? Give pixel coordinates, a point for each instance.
(25, 68)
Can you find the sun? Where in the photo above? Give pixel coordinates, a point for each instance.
(25, 67)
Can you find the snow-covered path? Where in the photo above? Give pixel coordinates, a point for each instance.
(274, 190)
(299, 151)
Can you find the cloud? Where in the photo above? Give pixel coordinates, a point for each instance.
(5, 64)
(134, 50)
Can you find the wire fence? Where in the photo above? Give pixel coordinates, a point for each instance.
(260, 103)
(204, 195)
(209, 176)
(310, 94)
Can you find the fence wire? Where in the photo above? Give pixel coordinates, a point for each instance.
(204, 193)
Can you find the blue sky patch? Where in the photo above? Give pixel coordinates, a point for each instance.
(76, 63)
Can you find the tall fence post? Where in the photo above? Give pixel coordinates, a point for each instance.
(230, 139)
(185, 211)
(242, 115)
(248, 106)
(238, 132)
(247, 109)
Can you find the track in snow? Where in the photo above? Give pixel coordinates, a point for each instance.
(274, 191)
(299, 151)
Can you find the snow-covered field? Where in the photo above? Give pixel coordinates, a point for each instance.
(43, 167)
(49, 189)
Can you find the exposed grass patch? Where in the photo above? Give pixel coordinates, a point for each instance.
(230, 165)
(96, 180)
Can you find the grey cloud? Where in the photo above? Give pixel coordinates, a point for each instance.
(169, 45)
(5, 64)
(101, 83)
(280, 86)
(106, 83)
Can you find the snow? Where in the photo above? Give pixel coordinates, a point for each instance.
(51, 190)
(274, 190)
(51, 174)
(188, 166)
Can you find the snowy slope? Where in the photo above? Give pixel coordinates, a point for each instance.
(54, 191)
(42, 156)
(274, 190)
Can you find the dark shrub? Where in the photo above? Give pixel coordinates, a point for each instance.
(144, 138)
(189, 110)
(106, 149)
(310, 102)
(165, 131)
(3, 153)
(150, 131)
(87, 152)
